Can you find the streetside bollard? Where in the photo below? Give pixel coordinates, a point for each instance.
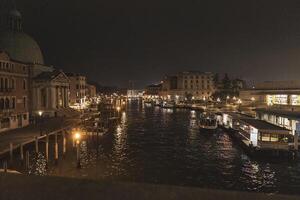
(22, 153)
(47, 148)
(11, 151)
(56, 150)
(27, 160)
(36, 144)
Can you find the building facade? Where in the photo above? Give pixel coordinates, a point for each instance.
(14, 112)
(34, 92)
(50, 93)
(78, 88)
(91, 91)
(277, 102)
(153, 90)
(190, 84)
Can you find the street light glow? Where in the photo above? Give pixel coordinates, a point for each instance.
(40, 113)
(77, 136)
(118, 108)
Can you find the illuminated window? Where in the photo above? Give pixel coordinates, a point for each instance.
(295, 100)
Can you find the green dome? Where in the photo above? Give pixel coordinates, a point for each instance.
(21, 47)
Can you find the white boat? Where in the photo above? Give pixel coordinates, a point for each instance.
(168, 105)
(208, 122)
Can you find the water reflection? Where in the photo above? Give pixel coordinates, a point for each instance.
(156, 145)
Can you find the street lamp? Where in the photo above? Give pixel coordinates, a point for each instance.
(252, 99)
(77, 137)
(40, 121)
(227, 98)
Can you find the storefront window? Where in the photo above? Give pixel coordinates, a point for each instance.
(295, 100)
(280, 99)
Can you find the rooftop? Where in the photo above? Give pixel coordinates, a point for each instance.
(262, 125)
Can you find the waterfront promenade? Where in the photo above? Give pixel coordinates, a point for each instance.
(28, 133)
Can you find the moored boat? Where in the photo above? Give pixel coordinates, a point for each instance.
(207, 121)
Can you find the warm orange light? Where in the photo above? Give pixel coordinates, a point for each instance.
(77, 136)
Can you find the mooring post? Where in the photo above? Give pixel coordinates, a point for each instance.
(27, 160)
(64, 143)
(5, 166)
(47, 148)
(11, 151)
(78, 155)
(56, 149)
(36, 144)
(21, 153)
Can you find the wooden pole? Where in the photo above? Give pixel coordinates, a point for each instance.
(11, 151)
(64, 143)
(36, 144)
(27, 160)
(78, 155)
(5, 166)
(47, 148)
(56, 149)
(21, 153)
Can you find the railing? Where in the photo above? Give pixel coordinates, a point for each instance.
(3, 90)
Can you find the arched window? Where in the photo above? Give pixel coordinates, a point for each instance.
(6, 83)
(13, 103)
(1, 104)
(24, 84)
(6, 103)
(1, 83)
(13, 83)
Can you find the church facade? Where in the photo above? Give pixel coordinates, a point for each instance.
(28, 87)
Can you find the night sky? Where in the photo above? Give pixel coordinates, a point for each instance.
(115, 41)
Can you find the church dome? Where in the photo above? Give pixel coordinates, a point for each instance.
(21, 47)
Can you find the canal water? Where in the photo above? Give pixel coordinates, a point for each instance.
(163, 146)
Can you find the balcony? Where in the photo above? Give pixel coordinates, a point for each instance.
(6, 90)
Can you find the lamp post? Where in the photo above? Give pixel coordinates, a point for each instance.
(40, 122)
(227, 98)
(77, 137)
(239, 102)
(253, 100)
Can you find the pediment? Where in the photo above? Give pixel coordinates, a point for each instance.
(61, 77)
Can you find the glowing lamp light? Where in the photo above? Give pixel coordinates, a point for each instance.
(77, 136)
(218, 100)
(227, 97)
(252, 99)
(118, 108)
(40, 113)
(234, 98)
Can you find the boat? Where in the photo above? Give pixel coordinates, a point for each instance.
(207, 121)
(168, 105)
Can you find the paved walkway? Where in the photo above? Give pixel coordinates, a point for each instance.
(28, 133)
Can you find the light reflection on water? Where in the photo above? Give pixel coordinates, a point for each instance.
(156, 145)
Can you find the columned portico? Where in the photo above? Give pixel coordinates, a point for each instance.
(50, 93)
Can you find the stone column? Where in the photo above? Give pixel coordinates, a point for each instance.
(47, 98)
(67, 96)
(38, 98)
(63, 96)
(57, 96)
(53, 98)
